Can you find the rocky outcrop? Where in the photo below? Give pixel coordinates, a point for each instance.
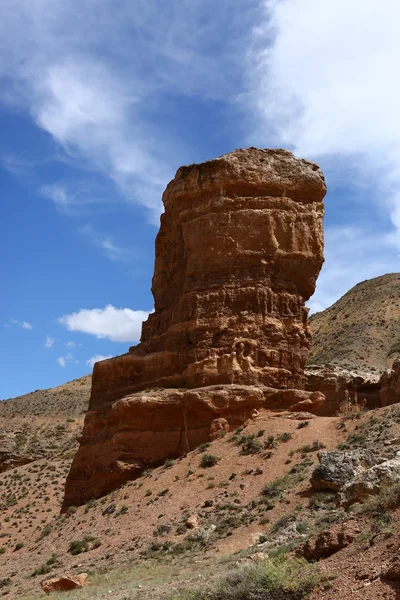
(11, 455)
(238, 252)
(337, 468)
(370, 482)
(355, 474)
(390, 385)
(344, 389)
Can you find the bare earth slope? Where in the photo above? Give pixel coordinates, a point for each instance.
(362, 329)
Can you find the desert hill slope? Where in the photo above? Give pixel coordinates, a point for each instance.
(43, 424)
(362, 329)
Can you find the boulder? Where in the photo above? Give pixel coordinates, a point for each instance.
(192, 522)
(219, 428)
(337, 468)
(238, 253)
(328, 542)
(370, 482)
(391, 571)
(64, 583)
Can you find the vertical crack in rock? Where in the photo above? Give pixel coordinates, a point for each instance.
(238, 253)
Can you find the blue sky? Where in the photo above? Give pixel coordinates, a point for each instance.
(101, 102)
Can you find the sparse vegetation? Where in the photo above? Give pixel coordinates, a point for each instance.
(208, 460)
(279, 579)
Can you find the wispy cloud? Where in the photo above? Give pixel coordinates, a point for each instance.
(70, 344)
(116, 324)
(49, 343)
(62, 361)
(105, 244)
(94, 359)
(105, 82)
(22, 324)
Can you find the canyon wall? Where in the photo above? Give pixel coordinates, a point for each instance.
(238, 253)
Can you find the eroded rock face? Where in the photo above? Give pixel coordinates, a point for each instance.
(343, 389)
(390, 385)
(238, 252)
(237, 255)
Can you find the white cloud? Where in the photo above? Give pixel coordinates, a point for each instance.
(324, 81)
(63, 360)
(49, 342)
(94, 359)
(116, 324)
(70, 344)
(22, 324)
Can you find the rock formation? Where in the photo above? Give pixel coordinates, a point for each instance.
(237, 255)
(390, 385)
(344, 389)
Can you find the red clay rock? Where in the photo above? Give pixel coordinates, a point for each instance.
(65, 583)
(238, 252)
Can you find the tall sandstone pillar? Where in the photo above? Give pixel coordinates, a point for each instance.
(238, 253)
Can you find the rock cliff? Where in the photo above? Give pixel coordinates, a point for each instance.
(237, 255)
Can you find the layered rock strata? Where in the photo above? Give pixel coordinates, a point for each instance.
(237, 255)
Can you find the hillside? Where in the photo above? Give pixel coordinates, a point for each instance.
(44, 424)
(362, 329)
(192, 521)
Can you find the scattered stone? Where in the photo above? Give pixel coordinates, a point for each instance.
(192, 522)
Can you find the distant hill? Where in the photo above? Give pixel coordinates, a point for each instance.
(43, 424)
(362, 329)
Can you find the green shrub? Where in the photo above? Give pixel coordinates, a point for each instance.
(277, 579)
(78, 546)
(162, 529)
(203, 447)
(285, 437)
(46, 530)
(208, 460)
(249, 445)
